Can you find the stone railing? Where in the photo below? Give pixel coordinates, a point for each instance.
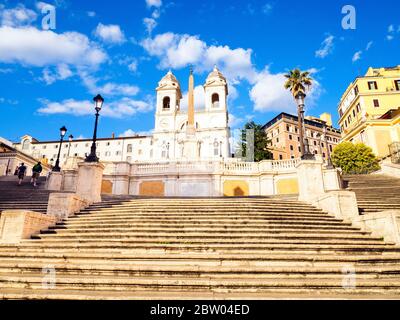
(207, 167)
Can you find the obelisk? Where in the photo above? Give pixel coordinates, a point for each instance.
(190, 129)
(190, 143)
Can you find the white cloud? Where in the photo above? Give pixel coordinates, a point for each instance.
(177, 51)
(124, 107)
(133, 66)
(108, 89)
(391, 28)
(40, 5)
(154, 3)
(199, 99)
(357, 56)
(369, 45)
(234, 121)
(326, 47)
(30, 46)
(150, 24)
(5, 71)
(131, 133)
(269, 94)
(91, 14)
(16, 17)
(62, 72)
(110, 33)
(389, 37)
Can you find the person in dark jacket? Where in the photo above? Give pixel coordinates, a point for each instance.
(36, 170)
(21, 173)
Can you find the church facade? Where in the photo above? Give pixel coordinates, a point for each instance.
(178, 134)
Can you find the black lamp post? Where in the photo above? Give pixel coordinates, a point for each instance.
(98, 103)
(70, 140)
(63, 131)
(304, 147)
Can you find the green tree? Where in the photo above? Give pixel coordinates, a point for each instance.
(261, 141)
(354, 158)
(298, 81)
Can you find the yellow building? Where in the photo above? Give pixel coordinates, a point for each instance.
(368, 110)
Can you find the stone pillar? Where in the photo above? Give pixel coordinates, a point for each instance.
(90, 176)
(63, 205)
(16, 225)
(70, 177)
(54, 181)
(311, 180)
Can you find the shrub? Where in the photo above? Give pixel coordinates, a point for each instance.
(354, 158)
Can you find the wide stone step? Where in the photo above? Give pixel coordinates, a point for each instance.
(207, 235)
(21, 258)
(206, 224)
(229, 241)
(237, 294)
(202, 270)
(202, 230)
(193, 283)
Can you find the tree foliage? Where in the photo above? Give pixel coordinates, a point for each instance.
(298, 81)
(261, 151)
(355, 158)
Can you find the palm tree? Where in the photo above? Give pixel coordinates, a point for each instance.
(298, 82)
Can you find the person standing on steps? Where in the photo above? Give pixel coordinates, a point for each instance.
(36, 170)
(21, 173)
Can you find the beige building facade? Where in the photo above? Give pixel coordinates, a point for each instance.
(283, 132)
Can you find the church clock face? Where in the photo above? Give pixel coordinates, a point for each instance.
(164, 123)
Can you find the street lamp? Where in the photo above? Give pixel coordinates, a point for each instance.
(98, 103)
(70, 140)
(304, 147)
(63, 131)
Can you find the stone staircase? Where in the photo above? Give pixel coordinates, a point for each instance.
(25, 196)
(374, 192)
(223, 248)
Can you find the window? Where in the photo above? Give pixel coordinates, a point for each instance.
(345, 123)
(75, 154)
(216, 148)
(118, 153)
(397, 84)
(287, 128)
(315, 143)
(356, 90)
(108, 153)
(25, 144)
(107, 144)
(166, 103)
(290, 137)
(372, 85)
(280, 157)
(354, 113)
(299, 149)
(376, 103)
(291, 148)
(129, 148)
(140, 152)
(215, 100)
(56, 146)
(44, 147)
(340, 113)
(358, 107)
(86, 144)
(277, 140)
(330, 148)
(128, 159)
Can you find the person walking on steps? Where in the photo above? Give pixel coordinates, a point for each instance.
(36, 170)
(21, 173)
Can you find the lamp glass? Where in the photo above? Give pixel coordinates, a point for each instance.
(98, 102)
(63, 131)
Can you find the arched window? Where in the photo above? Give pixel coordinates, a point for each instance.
(25, 144)
(215, 100)
(129, 148)
(166, 103)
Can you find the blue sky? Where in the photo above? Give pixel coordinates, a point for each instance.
(121, 49)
